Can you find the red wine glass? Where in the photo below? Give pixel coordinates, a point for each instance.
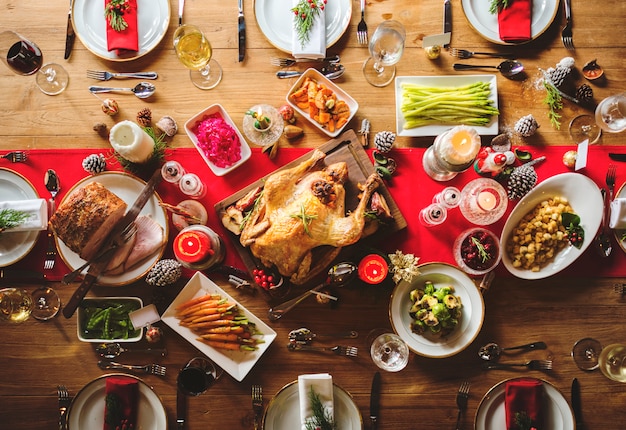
(25, 58)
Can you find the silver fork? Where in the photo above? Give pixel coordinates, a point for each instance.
(15, 156)
(257, 404)
(361, 29)
(152, 369)
(462, 397)
(64, 403)
(464, 54)
(532, 365)
(566, 33)
(102, 75)
(284, 62)
(610, 180)
(348, 351)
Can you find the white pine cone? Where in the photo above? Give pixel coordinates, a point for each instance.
(521, 181)
(164, 273)
(384, 140)
(95, 163)
(526, 125)
(557, 75)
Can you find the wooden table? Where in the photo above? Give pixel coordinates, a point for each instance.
(37, 356)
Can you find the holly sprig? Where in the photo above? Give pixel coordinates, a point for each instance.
(305, 13)
(114, 12)
(497, 5)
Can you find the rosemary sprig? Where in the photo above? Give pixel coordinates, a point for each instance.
(554, 102)
(497, 5)
(306, 218)
(10, 218)
(321, 419)
(114, 12)
(484, 255)
(305, 13)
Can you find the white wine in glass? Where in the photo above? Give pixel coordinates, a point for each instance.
(612, 362)
(194, 51)
(16, 305)
(25, 58)
(386, 47)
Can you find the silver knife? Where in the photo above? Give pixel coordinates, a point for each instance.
(96, 268)
(69, 34)
(576, 404)
(241, 32)
(447, 19)
(375, 401)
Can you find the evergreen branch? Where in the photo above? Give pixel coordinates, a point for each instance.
(554, 102)
(497, 5)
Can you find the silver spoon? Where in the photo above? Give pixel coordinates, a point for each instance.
(492, 351)
(112, 350)
(51, 180)
(603, 239)
(338, 275)
(332, 71)
(508, 68)
(142, 90)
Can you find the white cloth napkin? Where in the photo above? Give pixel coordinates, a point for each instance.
(617, 218)
(37, 211)
(315, 47)
(322, 384)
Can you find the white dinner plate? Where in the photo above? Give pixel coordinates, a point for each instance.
(236, 363)
(472, 312)
(127, 188)
(283, 411)
(486, 24)
(15, 246)
(490, 129)
(583, 195)
(153, 18)
(87, 408)
(490, 414)
(276, 21)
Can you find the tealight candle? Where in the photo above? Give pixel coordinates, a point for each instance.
(373, 269)
(483, 201)
(131, 141)
(487, 200)
(198, 247)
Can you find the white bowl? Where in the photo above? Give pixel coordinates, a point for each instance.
(81, 321)
(211, 110)
(341, 95)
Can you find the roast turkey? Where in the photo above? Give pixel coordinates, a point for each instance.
(301, 209)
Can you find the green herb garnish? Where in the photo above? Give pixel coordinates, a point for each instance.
(305, 13)
(321, 419)
(497, 5)
(306, 219)
(484, 255)
(114, 12)
(553, 100)
(10, 218)
(523, 421)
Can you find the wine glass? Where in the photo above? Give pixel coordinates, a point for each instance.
(586, 353)
(388, 351)
(16, 305)
(46, 303)
(610, 116)
(197, 376)
(612, 362)
(386, 47)
(194, 51)
(25, 58)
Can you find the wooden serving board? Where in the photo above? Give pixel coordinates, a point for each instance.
(347, 148)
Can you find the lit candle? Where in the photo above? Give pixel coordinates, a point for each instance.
(487, 200)
(192, 246)
(131, 142)
(373, 269)
(460, 145)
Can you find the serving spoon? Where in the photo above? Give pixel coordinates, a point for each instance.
(338, 275)
(113, 350)
(508, 68)
(492, 351)
(142, 90)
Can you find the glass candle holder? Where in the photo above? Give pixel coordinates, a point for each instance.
(172, 171)
(198, 247)
(432, 215)
(192, 185)
(263, 125)
(483, 201)
(452, 152)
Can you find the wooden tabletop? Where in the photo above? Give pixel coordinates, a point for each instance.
(36, 356)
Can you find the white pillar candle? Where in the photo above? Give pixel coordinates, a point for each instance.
(131, 141)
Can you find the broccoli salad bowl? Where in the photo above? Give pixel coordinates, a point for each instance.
(439, 313)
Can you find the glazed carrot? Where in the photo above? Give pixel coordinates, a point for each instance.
(204, 305)
(214, 324)
(207, 311)
(225, 329)
(232, 346)
(197, 300)
(214, 317)
(223, 337)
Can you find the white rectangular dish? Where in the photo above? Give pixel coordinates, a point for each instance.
(490, 129)
(236, 363)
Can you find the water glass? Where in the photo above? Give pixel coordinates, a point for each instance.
(16, 305)
(389, 352)
(386, 47)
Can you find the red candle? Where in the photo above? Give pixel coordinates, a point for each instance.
(373, 269)
(192, 246)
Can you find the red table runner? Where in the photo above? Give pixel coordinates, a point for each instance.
(410, 187)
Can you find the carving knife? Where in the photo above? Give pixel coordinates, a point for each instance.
(69, 34)
(241, 32)
(375, 401)
(576, 404)
(447, 19)
(96, 268)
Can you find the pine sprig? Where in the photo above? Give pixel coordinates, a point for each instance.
(554, 102)
(321, 419)
(497, 5)
(10, 218)
(523, 421)
(114, 12)
(305, 13)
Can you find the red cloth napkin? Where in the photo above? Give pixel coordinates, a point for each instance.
(523, 396)
(122, 395)
(514, 21)
(127, 39)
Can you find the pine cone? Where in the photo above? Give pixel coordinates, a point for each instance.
(584, 93)
(144, 117)
(164, 273)
(384, 140)
(558, 74)
(526, 126)
(521, 181)
(95, 163)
